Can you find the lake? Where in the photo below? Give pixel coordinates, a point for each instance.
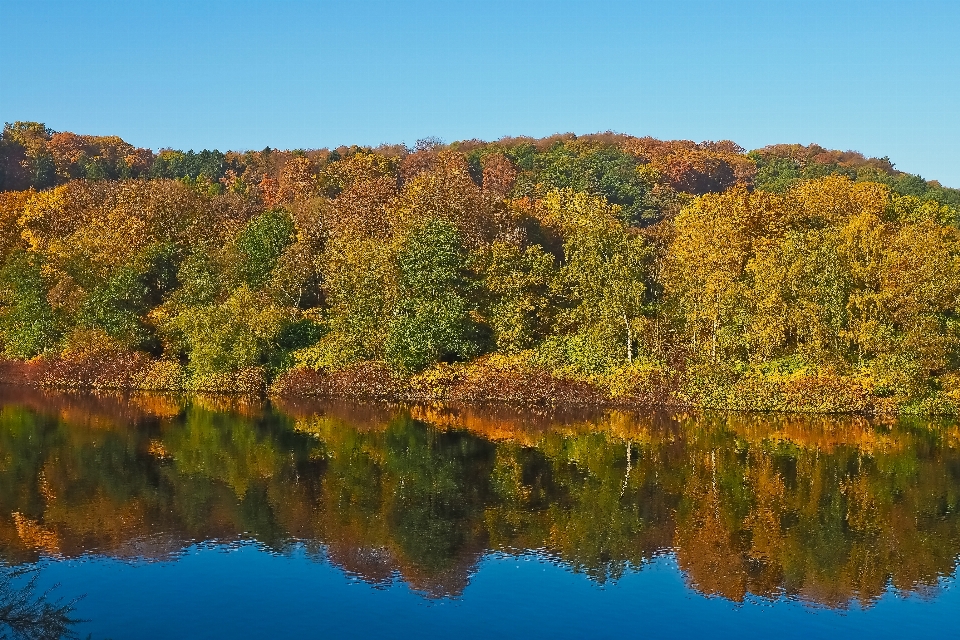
(211, 517)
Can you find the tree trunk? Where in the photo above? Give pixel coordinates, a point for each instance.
(626, 478)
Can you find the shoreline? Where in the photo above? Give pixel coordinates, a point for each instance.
(489, 382)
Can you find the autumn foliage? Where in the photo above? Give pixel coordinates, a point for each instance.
(593, 269)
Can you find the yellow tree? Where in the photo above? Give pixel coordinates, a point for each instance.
(604, 274)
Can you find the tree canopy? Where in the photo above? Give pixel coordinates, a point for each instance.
(789, 277)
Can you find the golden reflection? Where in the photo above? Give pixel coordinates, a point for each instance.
(36, 536)
(827, 510)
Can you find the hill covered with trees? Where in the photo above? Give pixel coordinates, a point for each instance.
(594, 269)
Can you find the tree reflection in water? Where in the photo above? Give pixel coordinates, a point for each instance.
(28, 614)
(832, 511)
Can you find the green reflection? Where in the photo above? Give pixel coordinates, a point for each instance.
(831, 511)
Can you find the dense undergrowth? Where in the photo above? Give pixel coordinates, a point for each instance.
(566, 270)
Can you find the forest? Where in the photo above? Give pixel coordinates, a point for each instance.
(600, 269)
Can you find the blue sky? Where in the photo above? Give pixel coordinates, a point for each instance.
(876, 76)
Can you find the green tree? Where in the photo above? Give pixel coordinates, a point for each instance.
(28, 324)
(238, 333)
(434, 319)
(260, 245)
(32, 137)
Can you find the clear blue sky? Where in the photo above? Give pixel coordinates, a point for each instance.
(876, 76)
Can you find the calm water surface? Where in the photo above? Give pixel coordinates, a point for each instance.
(209, 518)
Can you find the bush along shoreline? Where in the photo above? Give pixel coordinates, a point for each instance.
(497, 380)
(601, 270)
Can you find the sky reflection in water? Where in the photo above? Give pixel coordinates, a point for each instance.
(200, 517)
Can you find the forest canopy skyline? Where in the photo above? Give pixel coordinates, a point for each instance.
(327, 73)
(68, 147)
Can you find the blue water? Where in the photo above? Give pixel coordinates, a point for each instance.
(245, 591)
(197, 518)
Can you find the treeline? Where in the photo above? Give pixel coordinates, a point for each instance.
(602, 268)
(832, 511)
